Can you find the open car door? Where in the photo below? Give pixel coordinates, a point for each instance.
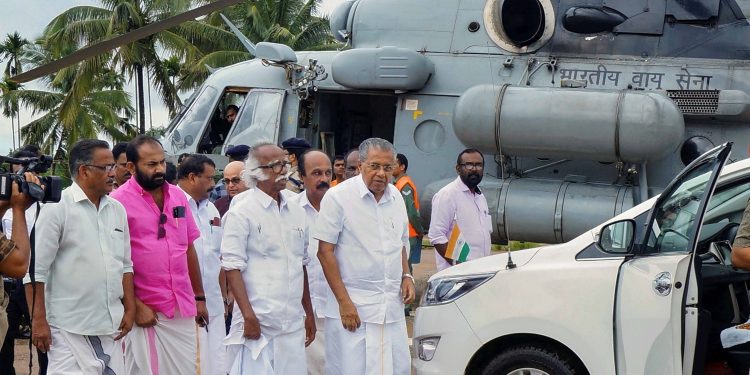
(652, 317)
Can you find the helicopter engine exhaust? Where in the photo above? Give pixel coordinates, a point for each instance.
(576, 124)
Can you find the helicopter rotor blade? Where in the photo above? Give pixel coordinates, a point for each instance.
(137, 34)
(249, 46)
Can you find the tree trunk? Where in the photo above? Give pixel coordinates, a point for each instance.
(141, 103)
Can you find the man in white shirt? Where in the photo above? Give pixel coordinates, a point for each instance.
(83, 275)
(461, 202)
(316, 172)
(264, 254)
(363, 232)
(196, 178)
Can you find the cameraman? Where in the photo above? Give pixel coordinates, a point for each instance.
(14, 252)
(17, 310)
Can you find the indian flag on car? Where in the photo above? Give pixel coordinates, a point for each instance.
(458, 249)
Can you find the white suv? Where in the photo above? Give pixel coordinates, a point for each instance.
(644, 293)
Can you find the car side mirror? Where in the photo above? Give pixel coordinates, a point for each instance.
(617, 237)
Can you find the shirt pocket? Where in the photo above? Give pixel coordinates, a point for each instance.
(296, 236)
(117, 245)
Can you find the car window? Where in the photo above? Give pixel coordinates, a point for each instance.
(674, 225)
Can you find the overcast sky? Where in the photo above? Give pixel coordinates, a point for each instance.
(29, 17)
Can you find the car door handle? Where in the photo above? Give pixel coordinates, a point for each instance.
(663, 284)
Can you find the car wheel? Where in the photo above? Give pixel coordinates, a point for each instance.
(530, 360)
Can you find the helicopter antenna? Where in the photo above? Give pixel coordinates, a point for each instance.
(210, 69)
(249, 46)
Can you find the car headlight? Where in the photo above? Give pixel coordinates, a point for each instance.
(447, 289)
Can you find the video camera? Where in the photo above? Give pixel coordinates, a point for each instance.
(52, 185)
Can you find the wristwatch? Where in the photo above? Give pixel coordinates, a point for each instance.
(408, 275)
(200, 298)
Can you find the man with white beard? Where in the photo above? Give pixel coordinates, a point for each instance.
(264, 254)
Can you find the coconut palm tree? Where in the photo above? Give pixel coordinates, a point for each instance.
(69, 111)
(291, 22)
(11, 49)
(88, 24)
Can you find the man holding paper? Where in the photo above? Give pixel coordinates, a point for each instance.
(461, 224)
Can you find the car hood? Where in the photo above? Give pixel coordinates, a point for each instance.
(491, 264)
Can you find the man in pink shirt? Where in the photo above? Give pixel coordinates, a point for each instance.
(462, 203)
(166, 275)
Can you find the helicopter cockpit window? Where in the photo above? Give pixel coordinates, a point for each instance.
(185, 135)
(258, 118)
(222, 120)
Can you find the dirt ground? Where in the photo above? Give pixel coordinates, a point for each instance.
(422, 272)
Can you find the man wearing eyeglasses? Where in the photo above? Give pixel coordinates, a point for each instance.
(264, 255)
(166, 273)
(83, 275)
(234, 184)
(363, 234)
(460, 209)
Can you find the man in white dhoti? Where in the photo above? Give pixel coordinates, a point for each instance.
(169, 296)
(264, 254)
(363, 231)
(83, 275)
(316, 172)
(196, 178)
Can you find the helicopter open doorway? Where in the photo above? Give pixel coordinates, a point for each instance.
(339, 121)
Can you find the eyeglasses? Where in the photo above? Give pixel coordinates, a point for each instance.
(235, 180)
(276, 166)
(388, 168)
(162, 232)
(106, 168)
(470, 166)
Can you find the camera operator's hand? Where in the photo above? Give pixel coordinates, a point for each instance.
(41, 336)
(20, 200)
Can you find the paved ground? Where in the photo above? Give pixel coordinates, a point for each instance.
(422, 272)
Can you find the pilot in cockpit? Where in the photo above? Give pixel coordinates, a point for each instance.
(219, 130)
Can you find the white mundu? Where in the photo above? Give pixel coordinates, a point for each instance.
(267, 243)
(318, 291)
(82, 253)
(370, 237)
(211, 349)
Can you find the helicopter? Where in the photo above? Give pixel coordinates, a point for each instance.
(582, 108)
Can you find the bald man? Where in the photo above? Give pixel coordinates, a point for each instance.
(351, 164)
(234, 183)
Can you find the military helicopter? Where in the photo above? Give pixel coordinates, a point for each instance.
(583, 108)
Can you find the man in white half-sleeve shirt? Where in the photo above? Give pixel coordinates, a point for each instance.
(83, 275)
(363, 232)
(316, 172)
(196, 178)
(264, 253)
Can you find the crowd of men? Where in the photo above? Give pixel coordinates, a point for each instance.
(293, 263)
